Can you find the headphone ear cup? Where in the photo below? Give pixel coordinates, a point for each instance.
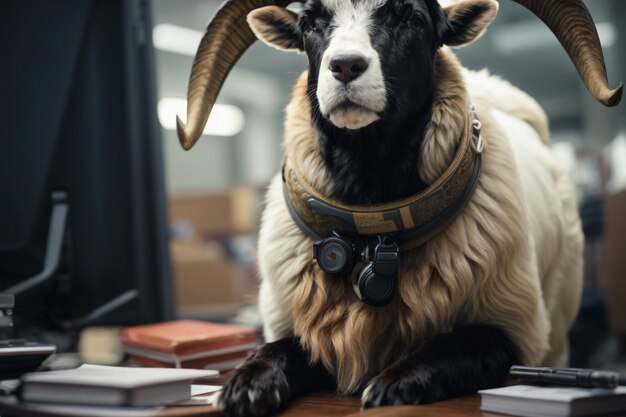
(335, 256)
(375, 290)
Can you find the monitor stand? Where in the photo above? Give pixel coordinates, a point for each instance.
(54, 249)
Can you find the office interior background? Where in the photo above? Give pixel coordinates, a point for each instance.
(241, 152)
(214, 193)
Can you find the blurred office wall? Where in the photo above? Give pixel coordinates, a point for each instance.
(517, 47)
(258, 87)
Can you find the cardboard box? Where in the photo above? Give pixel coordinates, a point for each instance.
(615, 235)
(205, 283)
(222, 213)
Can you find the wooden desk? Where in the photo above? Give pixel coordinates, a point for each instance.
(315, 405)
(330, 405)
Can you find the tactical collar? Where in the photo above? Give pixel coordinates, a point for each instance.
(411, 221)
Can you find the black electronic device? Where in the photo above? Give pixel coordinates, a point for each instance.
(376, 283)
(372, 263)
(83, 228)
(18, 356)
(568, 377)
(7, 303)
(337, 255)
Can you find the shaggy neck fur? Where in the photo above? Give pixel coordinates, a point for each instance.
(392, 158)
(377, 163)
(351, 339)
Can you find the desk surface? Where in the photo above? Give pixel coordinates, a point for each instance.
(318, 405)
(330, 405)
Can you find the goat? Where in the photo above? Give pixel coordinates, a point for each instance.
(378, 117)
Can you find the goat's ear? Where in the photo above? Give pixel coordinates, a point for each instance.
(277, 27)
(467, 20)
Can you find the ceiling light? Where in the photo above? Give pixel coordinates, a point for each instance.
(225, 120)
(608, 34)
(177, 39)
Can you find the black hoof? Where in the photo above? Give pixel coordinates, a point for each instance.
(397, 386)
(256, 389)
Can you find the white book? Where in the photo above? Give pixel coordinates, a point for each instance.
(542, 401)
(111, 385)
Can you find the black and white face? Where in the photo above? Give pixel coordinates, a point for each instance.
(376, 56)
(370, 58)
(343, 40)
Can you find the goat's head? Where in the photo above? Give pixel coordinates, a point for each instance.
(363, 53)
(360, 51)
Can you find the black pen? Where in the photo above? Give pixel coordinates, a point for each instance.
(571, 377)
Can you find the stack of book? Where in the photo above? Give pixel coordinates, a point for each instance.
(189, 344)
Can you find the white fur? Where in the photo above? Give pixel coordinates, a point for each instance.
(351, 36)
(553, 229)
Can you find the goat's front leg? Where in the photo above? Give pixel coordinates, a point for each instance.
(273, 375)
(450, 365)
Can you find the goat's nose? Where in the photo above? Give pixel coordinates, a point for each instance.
(347, 68)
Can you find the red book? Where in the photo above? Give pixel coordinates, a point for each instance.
(189, 343)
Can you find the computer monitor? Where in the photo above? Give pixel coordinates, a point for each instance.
(83, 233)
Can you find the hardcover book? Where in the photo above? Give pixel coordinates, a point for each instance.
(111, 386)
(189, 343)
(542, 401)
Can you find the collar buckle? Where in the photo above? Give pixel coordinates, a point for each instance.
(477, 138)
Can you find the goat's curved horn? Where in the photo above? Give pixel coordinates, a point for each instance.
(226, 38)
(572, 24)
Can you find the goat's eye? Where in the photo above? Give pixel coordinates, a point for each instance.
(405, 12)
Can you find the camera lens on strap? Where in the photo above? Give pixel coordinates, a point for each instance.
(374, 278)
(337, 255)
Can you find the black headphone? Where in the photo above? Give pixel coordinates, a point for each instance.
(375, 283)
